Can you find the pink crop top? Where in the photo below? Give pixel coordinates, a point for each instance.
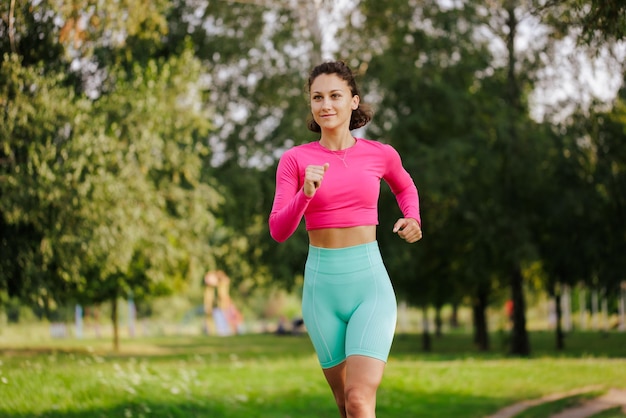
(349, 192)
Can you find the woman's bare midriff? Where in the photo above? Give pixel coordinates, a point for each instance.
(342, 237)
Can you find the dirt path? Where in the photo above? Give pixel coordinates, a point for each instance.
(613, 398)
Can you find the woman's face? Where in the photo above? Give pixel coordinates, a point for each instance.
(332, 102)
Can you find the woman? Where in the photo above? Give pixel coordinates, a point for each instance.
(348, 303)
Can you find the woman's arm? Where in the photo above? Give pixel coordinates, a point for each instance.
(290, 202)
(402, 185)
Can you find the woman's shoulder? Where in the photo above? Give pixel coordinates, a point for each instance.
(381, 151)
(299, 154)
(300, 149)
(379, 146)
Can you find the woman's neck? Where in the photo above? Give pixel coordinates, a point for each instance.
(337, 142)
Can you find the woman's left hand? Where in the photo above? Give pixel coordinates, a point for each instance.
(408, 229)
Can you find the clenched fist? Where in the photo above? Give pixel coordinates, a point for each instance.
(313, 176)
(408, 229)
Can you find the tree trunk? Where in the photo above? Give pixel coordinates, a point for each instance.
(438, 321)
(622, 308)
(519, 339)
(116, 335)
(481, 332)
(454, 317)
(560, 337)
(426, 341)
(512, 179)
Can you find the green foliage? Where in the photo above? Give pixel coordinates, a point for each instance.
(111, 188)
(108, 196)
(151, 130)
(30, 32)
(37, 206)
(604, 18)
(606, 149)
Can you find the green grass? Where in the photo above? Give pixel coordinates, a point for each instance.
(266, 376)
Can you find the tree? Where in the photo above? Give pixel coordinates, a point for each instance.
(565, 207)
(40, 231)
(153, 155)
(604, 130)
(569, 255)
(102, 168)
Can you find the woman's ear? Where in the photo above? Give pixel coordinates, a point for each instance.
(355, 102)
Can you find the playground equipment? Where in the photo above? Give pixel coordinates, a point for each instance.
(223, 317)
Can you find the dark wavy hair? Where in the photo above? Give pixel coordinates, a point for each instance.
(361, 115)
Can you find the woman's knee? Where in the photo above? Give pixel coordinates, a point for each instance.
(359, 399)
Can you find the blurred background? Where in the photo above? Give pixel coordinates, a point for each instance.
(139, 142)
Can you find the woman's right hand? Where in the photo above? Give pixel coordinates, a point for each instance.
(313, 176)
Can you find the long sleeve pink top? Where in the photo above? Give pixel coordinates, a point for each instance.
(348, 195)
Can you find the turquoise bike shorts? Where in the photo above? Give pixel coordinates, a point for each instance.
(348, 303)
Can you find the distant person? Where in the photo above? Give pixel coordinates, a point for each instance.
(348, 302)
(297, 326)
(211, 281)
(233, 316)
(221, 314)
(281, 328)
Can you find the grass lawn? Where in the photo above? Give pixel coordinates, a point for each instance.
(267, 376)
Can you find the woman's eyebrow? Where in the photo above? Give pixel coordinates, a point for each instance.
(332, 91)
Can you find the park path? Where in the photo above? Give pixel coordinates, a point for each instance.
(613, 398)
